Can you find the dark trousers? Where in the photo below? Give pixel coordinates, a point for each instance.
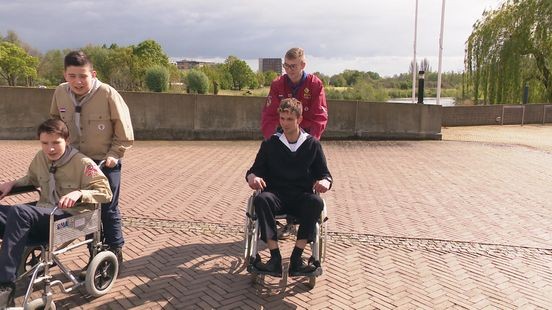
(305, 207)
(20, 224)
(112, 228)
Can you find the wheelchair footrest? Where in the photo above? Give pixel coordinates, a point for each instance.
(317, 272)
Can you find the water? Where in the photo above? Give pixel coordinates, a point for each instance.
(444, 101)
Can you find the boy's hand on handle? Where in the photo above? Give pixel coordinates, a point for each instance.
(322, 186)
(255, 182)
(110, 162)
(69, 200)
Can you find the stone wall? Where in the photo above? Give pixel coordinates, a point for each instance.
(162, 116)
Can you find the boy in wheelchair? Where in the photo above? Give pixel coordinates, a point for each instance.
(66, 178)
(287, 168)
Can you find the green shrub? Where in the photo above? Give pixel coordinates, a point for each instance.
(157, 79)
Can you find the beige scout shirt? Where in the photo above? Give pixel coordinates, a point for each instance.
(80, 173)
(105, 122)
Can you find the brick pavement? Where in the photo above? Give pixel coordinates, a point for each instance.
(460, 223)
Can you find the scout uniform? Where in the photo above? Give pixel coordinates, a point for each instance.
(20, 223)
(105, 125)
(310, 91)
(99, 126)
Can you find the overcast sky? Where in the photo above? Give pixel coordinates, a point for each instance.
(367, 35)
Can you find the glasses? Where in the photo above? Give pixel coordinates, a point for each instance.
(290, 66)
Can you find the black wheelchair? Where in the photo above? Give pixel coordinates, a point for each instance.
(64, 235)
(252, 238)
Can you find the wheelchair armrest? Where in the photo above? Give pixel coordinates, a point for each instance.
(16, 190)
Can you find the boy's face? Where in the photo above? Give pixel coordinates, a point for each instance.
(79, 78)
(53, 145)
(289, 121)
(294, 68)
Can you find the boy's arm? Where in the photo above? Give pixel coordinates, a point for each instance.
(270, 116)
(29, 179)
(319, 117)
(94, 185)
(54, 111)
(256, 174)
(320, 169)
(123, 135)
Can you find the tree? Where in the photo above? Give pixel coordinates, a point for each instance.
(338, 80)
(324, 78)
(50, 68)
(16, 63)
(425, 66)
(12, 37)
(197, 81)
(242, 75)
(269, 76)
(260, 79)
(145, 55)
(157, 78)
(508, 48)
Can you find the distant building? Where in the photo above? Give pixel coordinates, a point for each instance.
(191, 64)
(270, 64)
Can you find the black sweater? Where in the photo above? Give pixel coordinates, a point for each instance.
(290, 172)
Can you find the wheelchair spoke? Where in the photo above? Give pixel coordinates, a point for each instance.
(104, 275)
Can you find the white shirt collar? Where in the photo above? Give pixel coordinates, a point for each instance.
(293, 146)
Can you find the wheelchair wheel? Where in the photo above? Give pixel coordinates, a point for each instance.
(40, 304)
(248, 239)
(101, 273)
(31, 257)
(322, 242)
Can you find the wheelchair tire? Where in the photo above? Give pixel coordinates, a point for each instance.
(31, 257)
(322, 242)
(39, 304)
(101, 273)
(248, 240)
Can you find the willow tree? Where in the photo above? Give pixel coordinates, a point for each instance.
(511, 47)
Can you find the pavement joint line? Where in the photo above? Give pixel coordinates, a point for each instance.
(393, 242)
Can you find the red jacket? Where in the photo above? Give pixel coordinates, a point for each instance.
(311, 94)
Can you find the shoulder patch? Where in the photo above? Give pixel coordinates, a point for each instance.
(91, 170)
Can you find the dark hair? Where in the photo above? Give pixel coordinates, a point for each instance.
(77, 59)
(53, 125)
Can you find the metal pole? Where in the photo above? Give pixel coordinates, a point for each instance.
(414, 64)
(421, 86)
(440, 52)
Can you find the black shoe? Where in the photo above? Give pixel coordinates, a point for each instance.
(272, 268)
(7, 293)
(298, 268)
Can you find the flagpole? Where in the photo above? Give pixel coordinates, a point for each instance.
(440, 52)
(414, 64)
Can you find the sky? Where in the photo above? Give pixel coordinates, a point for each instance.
(366, 35)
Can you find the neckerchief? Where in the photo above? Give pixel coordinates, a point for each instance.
(65, 158)
(79, 103)
(293, 146)
(295, 87)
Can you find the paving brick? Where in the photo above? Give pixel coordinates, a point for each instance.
(454, 224)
